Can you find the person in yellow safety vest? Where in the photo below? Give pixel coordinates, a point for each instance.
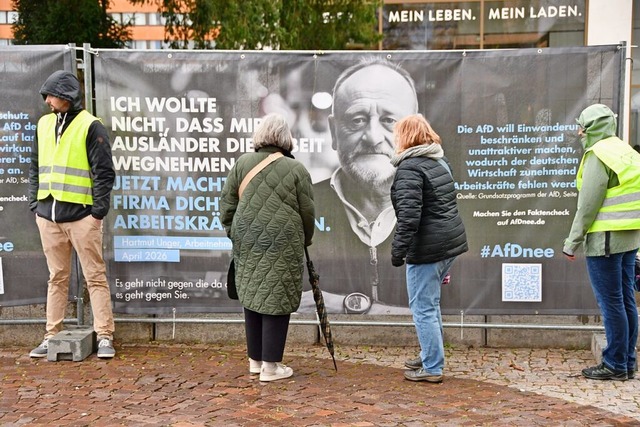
(71, 176)
(607, 225)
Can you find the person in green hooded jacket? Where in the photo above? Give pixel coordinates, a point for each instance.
(607, 226)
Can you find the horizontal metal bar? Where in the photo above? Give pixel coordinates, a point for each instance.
(333, 323)
(372, 323)
(32, 321)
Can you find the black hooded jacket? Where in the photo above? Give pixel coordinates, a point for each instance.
(429, 227)
(65, 85)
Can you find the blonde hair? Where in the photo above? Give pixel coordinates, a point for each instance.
(412, 131)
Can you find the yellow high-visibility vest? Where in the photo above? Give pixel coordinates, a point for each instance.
(621, 207)
(64, 170)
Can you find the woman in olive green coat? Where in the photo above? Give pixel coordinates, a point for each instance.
(269, 226)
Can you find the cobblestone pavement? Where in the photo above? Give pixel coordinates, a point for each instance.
(180, 385)
(550, 372)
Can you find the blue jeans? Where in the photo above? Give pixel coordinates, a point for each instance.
(423, 287)
(612, 279)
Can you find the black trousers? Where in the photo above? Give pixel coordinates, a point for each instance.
(266, 335)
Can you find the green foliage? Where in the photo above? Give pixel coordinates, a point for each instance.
(183, 26)
(274, 24)
(248, 25)
(68, 21)
(329, 24)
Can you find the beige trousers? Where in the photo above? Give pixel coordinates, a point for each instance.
(58, 241)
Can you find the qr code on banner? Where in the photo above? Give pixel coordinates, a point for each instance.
(522, 282)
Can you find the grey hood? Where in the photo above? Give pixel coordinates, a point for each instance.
(64, 85)
(598, 122)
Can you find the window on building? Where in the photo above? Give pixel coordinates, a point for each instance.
(139, 19)
(154, 19)
(156, 44)
(128, 18)
(138, 44)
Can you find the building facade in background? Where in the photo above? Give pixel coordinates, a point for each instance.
(411, 24)
(147, 30)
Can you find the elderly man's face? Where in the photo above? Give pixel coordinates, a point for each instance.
(367, 106)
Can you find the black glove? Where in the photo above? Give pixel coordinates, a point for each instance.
(396, 261)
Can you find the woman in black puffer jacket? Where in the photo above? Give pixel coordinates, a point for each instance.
(429, 235)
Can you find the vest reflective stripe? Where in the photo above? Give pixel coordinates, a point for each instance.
(64, 170)
(621, 207)
(618, 200)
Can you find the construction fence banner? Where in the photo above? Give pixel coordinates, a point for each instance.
(23, 69)
(180, 119)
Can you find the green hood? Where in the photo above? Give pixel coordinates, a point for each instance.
(598, 122)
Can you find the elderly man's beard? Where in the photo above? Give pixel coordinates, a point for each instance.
(380, 177)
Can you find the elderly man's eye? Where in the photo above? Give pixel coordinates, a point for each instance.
(357, 122)
(388, 122)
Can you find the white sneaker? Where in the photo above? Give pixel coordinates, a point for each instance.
(255, 366)
(268, 373)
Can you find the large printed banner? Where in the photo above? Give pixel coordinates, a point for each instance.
(179, 120)
(23, 270)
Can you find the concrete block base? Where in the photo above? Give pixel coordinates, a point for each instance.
(72, 344)
(598, 343)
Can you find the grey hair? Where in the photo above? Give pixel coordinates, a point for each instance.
(274, 131)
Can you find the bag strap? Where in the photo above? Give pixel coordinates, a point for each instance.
(256, 169)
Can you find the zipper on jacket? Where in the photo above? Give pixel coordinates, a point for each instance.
(60, 126)
(58, 136)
